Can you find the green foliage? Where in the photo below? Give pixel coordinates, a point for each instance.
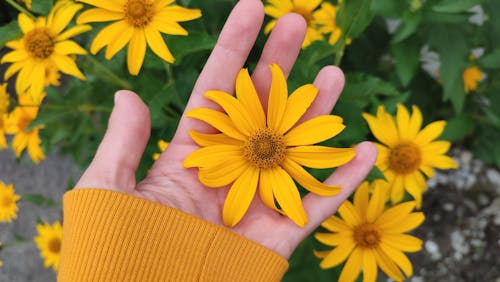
(9, 32)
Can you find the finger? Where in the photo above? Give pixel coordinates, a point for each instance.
(330, 82)
(349, 177)
(225, 61)
(282, 48)
(121, 149)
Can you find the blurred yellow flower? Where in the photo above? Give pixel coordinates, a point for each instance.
(326, 18)
(4, 107)
(162, 145)
(26, 2)
(8, 202)
(44, 45)
(49, 243)
(367, 235)
(254, 150)
(18, 122)
(471, 77)
(305, 8)
(407, 151)
(139, 23)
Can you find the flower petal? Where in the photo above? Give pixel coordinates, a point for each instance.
(336, 224)
(15, 56)
(203, 139)
(67, 65)
(430, 132)
(288, 197)
(399, 258)
(438, 161)
(99, 15)
(69, 47)
(25, 23)
(360, 200)
(108, 5)
(414, 188)
(278, 95)
(106, 35)
(240, 196)
(315, 130)
(376, 205)
(73, 31)
(403, 123)
(436, 147)
(407, 224)
(212, 155)
(320, 156)
(403, 242)
(168, 27)
(179, 13)
(337, 255)
(120, 39)
(387, 265)
(383, 127)
(395, 214)
(350, 215)
(352, 267)
(234, 109)
(266, 189)
(369, 265)
(223, 173)
(62, 17)
(333, 239)
(136, 52)
(296, 105)
(307, 180)
(218, 120)
(157, 44)
(415, 122)
(247, 95)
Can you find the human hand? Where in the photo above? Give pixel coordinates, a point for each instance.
(170, 184)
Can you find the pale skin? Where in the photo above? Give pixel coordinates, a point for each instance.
(169, 184)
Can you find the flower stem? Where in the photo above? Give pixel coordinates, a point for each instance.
(339, 55)
(110, 76)
(20, 8)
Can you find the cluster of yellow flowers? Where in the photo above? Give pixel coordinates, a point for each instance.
(46, 49)
(49, 236)
(321, 20)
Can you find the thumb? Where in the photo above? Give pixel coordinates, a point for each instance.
(121, 149)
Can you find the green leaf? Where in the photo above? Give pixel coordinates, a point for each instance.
(458, 127)
(354, 16)
(455, 6)
(39, 200)
(410, 24)
(407, 55)
(453, 51)
(8, 32)
(361, 87)
(195, 42)
(389, 8)
(491, 60)
(42, 7)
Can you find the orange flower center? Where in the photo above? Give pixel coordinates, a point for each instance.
(54, 245)
(6, 202)
(405, 158)
(139, 12)
(265, 149)
(39, 43)
(304, 13)
(367, 236)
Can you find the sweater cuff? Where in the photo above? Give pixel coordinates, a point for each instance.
(112, 236)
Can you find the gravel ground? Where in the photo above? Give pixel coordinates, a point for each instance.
(461, 233)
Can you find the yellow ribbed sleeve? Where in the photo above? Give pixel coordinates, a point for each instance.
(112, 236)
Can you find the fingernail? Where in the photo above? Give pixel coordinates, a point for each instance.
(117, 96)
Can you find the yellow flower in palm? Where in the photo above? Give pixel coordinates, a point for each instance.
(18, 122)
(305, 8)
(49, 243)
(8, 202)
(407, 151)
(253, 150)
(139, 23)
(4, 107)
(471, 77)
(326, 18)
(367, 235)
(162, 145)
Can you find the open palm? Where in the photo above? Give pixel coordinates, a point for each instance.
(170, 184)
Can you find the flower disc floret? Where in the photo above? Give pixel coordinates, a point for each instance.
(265, 149)
(139, 12)
(405, 158)
(39, 43)
(367, 236)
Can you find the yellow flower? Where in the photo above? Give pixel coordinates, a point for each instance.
(366, 235)
(26, 2)
(278, 8)
(326, 18)
(49, 243)
(44, 45)
(18, 122)
(8, 199)
(139, 23)
(162, 145)
(471, 77)
(253, 150)
(407, 151)
(4, 107)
